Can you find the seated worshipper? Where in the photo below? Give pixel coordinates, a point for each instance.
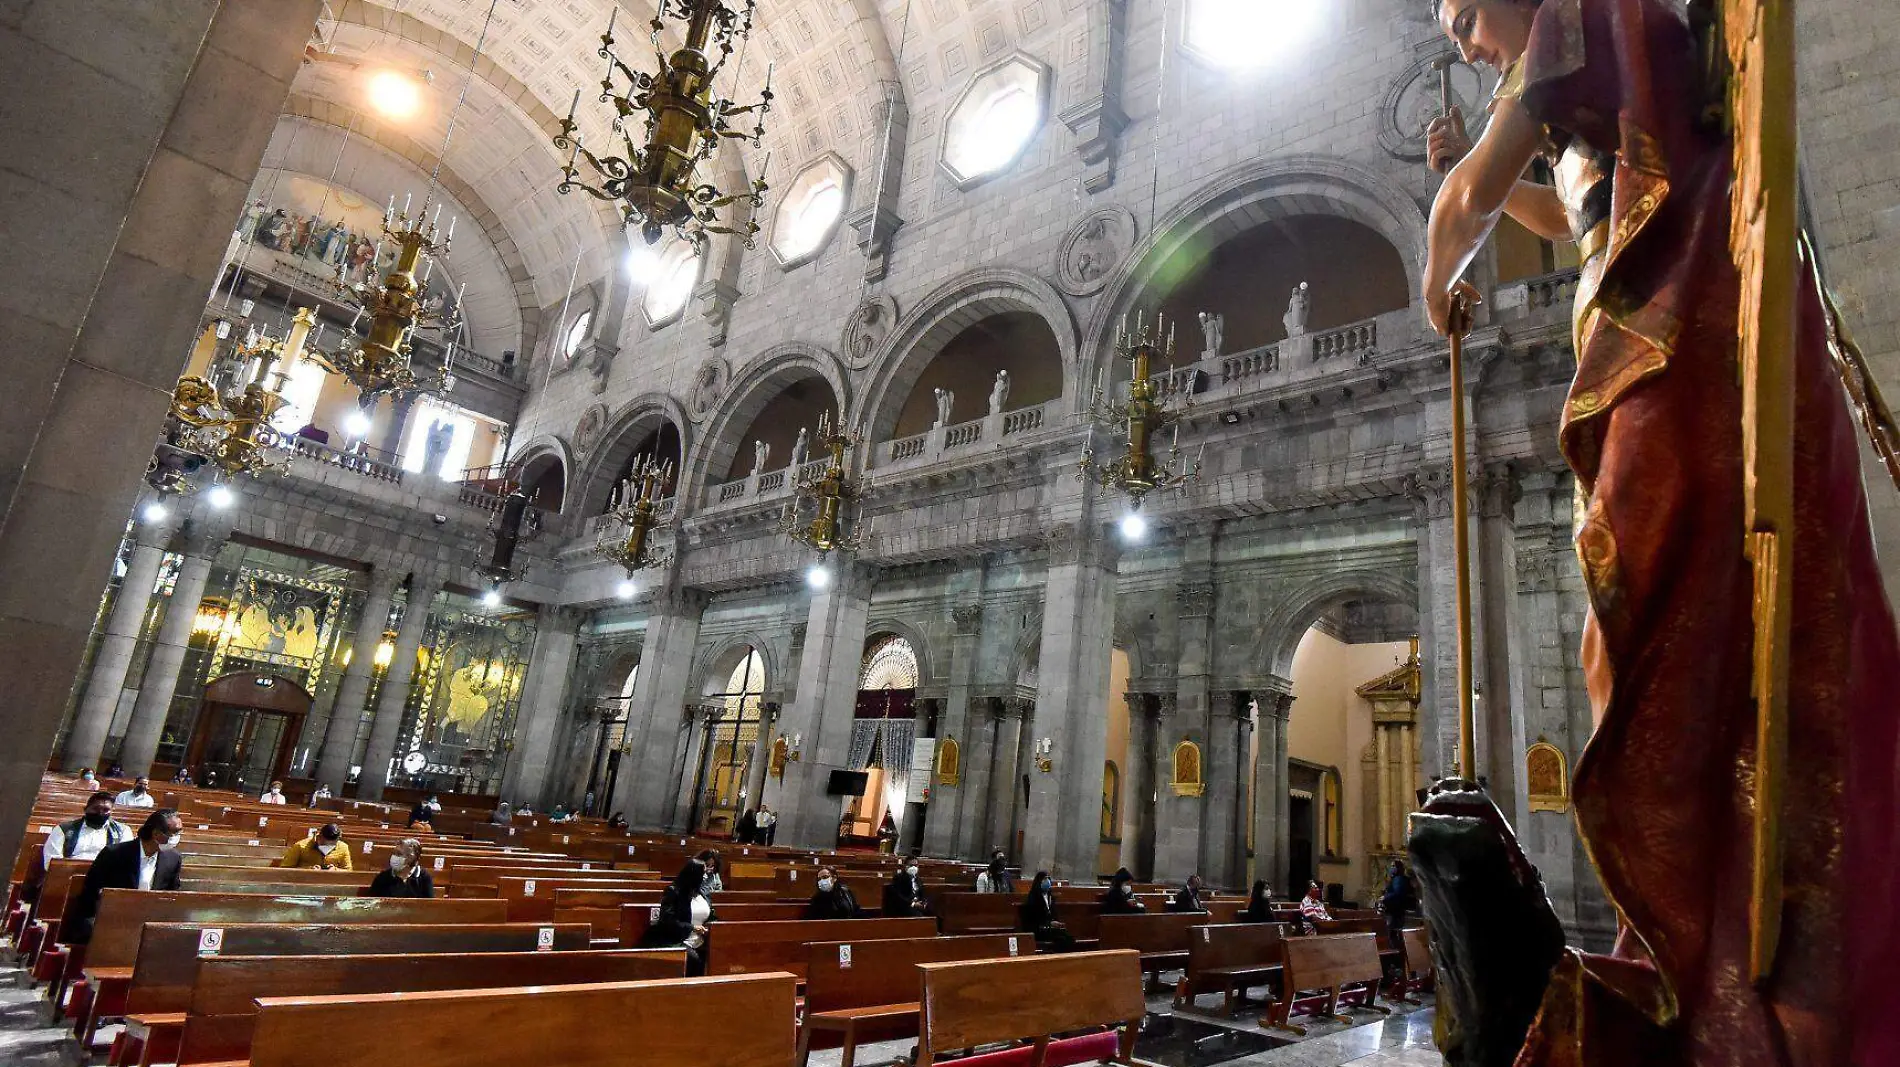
(75, 839)
(182, 776)
(322, 793)
(1120, 898)
(274, 796)
(149, 861)
(323, 850)
(139, 796)
(524, 809)
(1312, 907)
(559, 814)
(831, 899)
(1038, 915)
(713, 883)
(904, 897)
(86, 777)
(617, 821)
(504, 814)
(995, 878)
(1259, 904)
(684, 913)
(404, 877)
(423, 814)
(1189, 898)
(887, 835)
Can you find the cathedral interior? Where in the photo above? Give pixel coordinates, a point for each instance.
(1030, 416)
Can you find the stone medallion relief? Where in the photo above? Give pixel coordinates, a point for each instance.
(1412, 102)
(1093, 248)
(588, 430)
(709, 386)
(870, 324)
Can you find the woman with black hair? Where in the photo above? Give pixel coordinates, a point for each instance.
(904, 897)
(1120, 898)
(1039, 916)
(684, 915)
(1259, 907)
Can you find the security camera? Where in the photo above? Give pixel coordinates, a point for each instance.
(439, 520)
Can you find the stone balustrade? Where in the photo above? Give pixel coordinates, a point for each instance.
(1249, 364)
(1545, 295)
(1351, 344)
(965, 433)
(771, 481)
(909, 447)
(356, 462)
(1023, 420)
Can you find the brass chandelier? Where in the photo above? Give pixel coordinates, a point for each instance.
(379, 364)
(636, 508)
(656, 183)
(223, 420)
(1138, 473)
(828, 497)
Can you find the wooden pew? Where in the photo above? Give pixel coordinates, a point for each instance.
(857, 991)
(687, 1022)
(754, 947)
(636, 919)
(1320, 971)
(1227, 959)
(601, 907)
(1033, 998)
(1162, 939)
(222, 1015)
(978, 913)
(1417, 972)
(530, 897)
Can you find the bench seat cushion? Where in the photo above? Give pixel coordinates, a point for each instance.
(1088, 1048)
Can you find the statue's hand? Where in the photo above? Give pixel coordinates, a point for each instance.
(1446, 141)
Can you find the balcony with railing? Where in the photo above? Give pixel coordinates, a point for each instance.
(963, 438)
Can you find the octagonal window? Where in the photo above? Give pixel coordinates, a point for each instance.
(995, 119)
(576, 334)
(671, 285)
(1243, 34)
(809, 212)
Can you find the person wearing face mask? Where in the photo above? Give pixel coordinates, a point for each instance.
(995, 878)
(1039, 916)
(1259, 905)
(274, 796)
(86, 777)
(404, 877)
(684, 915)
(831, 898)
(904, 897)
(1189, 897)
(75, 839)
(423, 814)
(1120, 898)
(323, 850)
(149, 861)
(139, 796)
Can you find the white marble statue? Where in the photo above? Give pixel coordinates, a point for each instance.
(1295, 317)
(760, 450)
(945, 398)
(799, 448)
(1213, 332)
(999, 393)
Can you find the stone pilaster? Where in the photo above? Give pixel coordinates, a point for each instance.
(1224, 831)
(346, 711)
(393, 699)
(653, 715)
(543, 699)
(1096, 118)
(105, 686)
(1179, 819)
(946, 832)
(1138, 788)
(973, 795)
(823, 710)
(700, 720)
(1007, 760)
(203, 537)
(1269, 791)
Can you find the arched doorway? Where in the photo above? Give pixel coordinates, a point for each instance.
(722, 791)
(883, 730)
(248, 728)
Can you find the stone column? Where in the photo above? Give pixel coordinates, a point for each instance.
(346, 711)
(1224, 831)
(105, 686)
(1138, 789)
(203, 538)
(543, 699)
(1269, 793)
(702, 717)
(1005, 759)
(823, 710)
(1178, 819)
(1063, 830)
(1175, 817)
(755, 773)
(385, 728)
(650, 771)
(974, 800)
(949, 831)
(1502, 663)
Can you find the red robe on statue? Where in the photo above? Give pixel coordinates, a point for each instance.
(1664, 791)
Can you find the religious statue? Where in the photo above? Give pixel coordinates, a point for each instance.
(1214, 333)
(799, 448)
(760, 450)
(1295, 318)
(435, 446)
(999, 393)
(1666, 794)
(945, 398)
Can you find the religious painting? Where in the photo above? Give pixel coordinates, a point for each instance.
(466, 692)
(949, 762)
(1547, 777)
(1187, 770)
(277, 617)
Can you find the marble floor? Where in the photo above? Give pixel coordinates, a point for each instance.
(1202, 1039)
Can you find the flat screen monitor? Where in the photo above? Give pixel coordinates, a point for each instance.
(847, 783)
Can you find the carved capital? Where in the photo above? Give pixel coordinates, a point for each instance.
(1430, 492)
(1238, 704)
(1067, 543)
(798, 634)
(1137, 703)
(715, 299)
(1195, 600)
(558, 617)
(382, 582)
(1498, 490)
(676, 600)
(968, 619)
(1278, 705)
(1164, 706)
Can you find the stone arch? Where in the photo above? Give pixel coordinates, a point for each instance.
(943, 314)
(1302, 605)
(534, 455)
(919, 644)
(1242, 198)
(754, 386)
(716, 663)
(642, 415)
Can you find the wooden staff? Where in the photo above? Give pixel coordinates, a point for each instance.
(1459, 324)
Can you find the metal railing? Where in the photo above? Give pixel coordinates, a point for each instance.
(359, 460)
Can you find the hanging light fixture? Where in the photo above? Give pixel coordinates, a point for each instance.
(656, 183)
(636, 507)
(222, 420)
(1137, 473)
(518, 520)
(379, 363)
(831, 500)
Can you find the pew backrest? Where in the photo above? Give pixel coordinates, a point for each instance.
(755, 947)
(988, 1001)
(857, 974)
(1150, 933)
(1329, 961)
(636, 919)
(124, 912)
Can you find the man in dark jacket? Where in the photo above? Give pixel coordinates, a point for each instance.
(149, 861)
(1189, 898)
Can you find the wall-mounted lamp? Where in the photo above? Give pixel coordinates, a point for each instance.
(1044, 754)
(794, 747)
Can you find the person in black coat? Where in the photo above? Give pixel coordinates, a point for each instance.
(684, 915)
(404, 877)
(1120, 898)
(1259, 904)
(831, 898)
(1189, 898)
(148, 861)
(1399, 900)
(1038, 914)
(747, 826)
(903, 897)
